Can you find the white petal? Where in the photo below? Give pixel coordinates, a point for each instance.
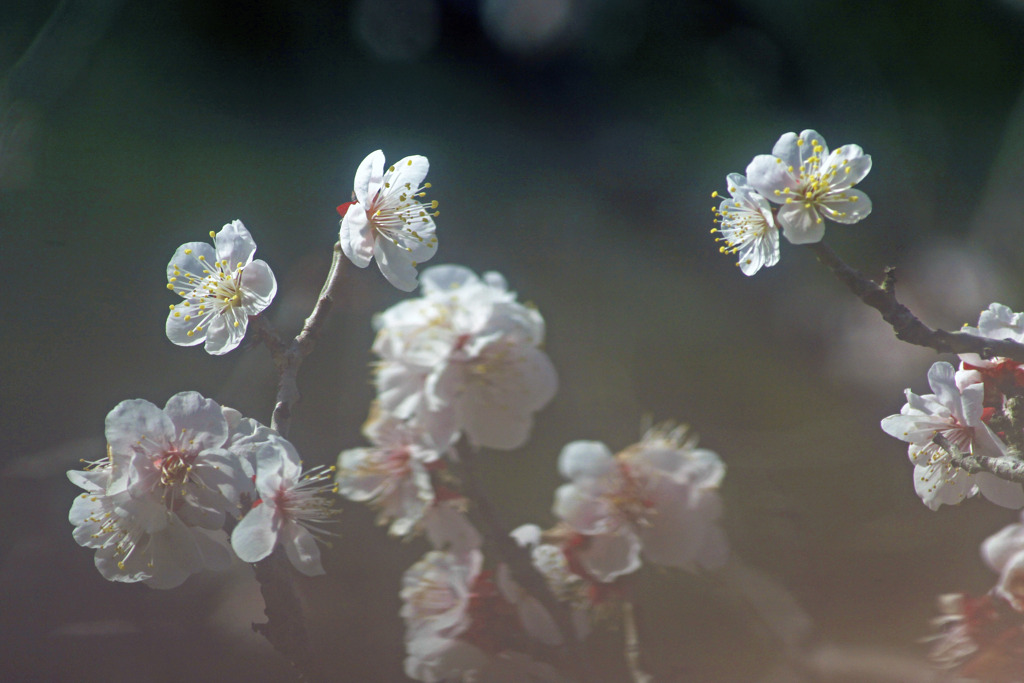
(258, 287)
(254, 537)
(356, 236)
(395, 264)
(585, 459)
(801, 224)
(369, 177)
(302, 550)
(234, 244)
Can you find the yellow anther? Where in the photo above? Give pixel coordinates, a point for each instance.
(714, 195)
(427, 185)
(170, 286)
(188, 251)
(213, 234)
(391, 169)
(409, 163)
(202, 258)
(190, 333)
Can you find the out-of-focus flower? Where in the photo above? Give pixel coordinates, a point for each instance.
(222, 286)
(811, 184)
(747, 226)
(464, 357)
(154, 507)
(657, 498)
(290, 508)
(1004, 553)
(957, 416)
(392, 474)
(995, 322)
(177, 456)
(979, 639)
(388, 221)
(436, 592)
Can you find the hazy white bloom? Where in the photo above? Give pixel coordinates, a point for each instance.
(747, 226)
(447, 527)
(657, 498)
(392, 474)
(464, 357)
(995, 322)
(222, 286)
(176, 455)
(139, 539)
(290, 505)
(1004, 553)
(957, 416)
(811, 184)
(388, 221)
(436, 593)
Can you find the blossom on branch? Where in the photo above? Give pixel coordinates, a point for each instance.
(956, 415)
(222, 286)
(811, 184)
(658, 498)
(154, 507)
(747, 226)
(388, 221)
(996, 373)
(290, 508)
(465, 357)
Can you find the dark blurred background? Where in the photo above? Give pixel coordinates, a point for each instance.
(574, 145)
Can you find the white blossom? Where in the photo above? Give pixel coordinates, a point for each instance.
(811, 184)
(392, 474)
(995, 322)
(747, 226)
(388, 221)
(221, 286)
(290, 509)
(464, 357)
(957, 416)
(658, 498)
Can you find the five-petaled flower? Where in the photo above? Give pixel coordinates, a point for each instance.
(811, 183)
(747, 226)
(387, 221)
(222, 286)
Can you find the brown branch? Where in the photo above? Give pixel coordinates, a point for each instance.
(1010, 469)
(288, 357)
(520, 564)
(904, 323)
(285, 627)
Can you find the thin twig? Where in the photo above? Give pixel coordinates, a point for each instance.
(632, 645)
(904, 323)
(1009, 469)
(285, 627)
(288, 358)
(520, 564)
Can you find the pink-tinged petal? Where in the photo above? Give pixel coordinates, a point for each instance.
(1011, 582)
(801, 224)
(771, 177)
(584, 513)
(942, 380)
(356, 236)
(259, 286)
(411, 170)
(234, 244)
(198, 419)
(302, 550)
(449, 530)
(369, 177)
(847, 207)
(255, 536)
(395, 264)
(609, 556)
(585, 460)
(1008, 494)
(998, 549)
(133, 421)
(186, 259)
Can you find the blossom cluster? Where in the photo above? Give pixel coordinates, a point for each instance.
(155, 507)
(971, 411)
(806, 181)
(464, 361)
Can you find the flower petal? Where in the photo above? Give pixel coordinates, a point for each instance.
(356, 236)
(234, 244)
(369, 177)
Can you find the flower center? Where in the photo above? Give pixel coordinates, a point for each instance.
(217, 291)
